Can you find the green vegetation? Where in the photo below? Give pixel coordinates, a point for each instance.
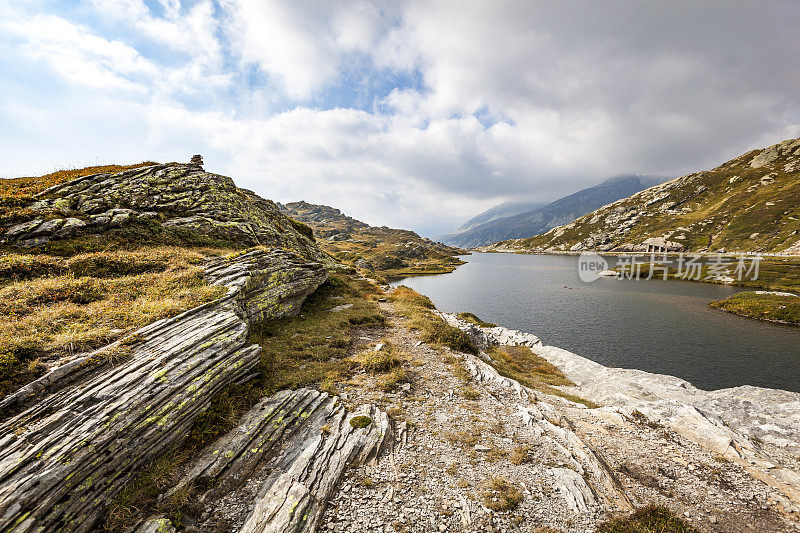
(417, 308)
(770, 307)
(650, 519)
(501, 495)
(360, 421)
(469, 317)
(521, 364)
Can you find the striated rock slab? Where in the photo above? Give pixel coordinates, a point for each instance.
(295, 446)
(62, 459)
(757, 428)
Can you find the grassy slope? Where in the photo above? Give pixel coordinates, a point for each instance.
(706, 211)
(386, 249)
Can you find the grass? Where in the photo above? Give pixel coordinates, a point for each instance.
(521, 364)
(55, 307)
(520, 455)
(650, 519)
(417, 308)
(501, 495)
(770, 307)
(469, 317)
(308, 350)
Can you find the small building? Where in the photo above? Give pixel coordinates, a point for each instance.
(661, 245)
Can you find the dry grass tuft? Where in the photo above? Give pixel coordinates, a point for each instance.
(52, 317)
(501, 495)
(521, 455)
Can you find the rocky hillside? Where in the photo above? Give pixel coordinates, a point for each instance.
(385, 252)
(154, 203)
(537, 220)
(745, 205)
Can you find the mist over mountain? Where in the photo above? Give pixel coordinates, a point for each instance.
(512, 221)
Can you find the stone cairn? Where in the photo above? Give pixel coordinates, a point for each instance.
(196, 160)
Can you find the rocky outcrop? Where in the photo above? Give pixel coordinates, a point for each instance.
(756, 428)
(182, 197)
(290, 450)
(66, 456)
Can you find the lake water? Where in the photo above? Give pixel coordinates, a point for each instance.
(654, 325)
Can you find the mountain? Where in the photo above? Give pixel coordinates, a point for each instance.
(540, 219)
(748, 204)
(503, 210)
(386, 252)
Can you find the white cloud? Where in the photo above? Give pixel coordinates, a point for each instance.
(533, 99)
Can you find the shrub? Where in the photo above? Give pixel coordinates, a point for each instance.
(650, 519)
(501, 495)
(380, 361)
(360, 421)
(469, 317)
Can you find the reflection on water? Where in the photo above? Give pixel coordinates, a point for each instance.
(658, 326)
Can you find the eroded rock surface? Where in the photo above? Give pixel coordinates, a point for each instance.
(172, 195)
(65, 457)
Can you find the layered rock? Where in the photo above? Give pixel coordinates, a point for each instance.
(65, 457)
(178, 196)
(756, 428)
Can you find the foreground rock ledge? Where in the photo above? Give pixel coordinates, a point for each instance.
(65, 457)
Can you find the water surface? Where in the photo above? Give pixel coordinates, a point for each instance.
(659, 326)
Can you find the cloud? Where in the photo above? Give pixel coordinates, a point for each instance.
(413, 113)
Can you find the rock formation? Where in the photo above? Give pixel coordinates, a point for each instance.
(63, 458)
(173, 196)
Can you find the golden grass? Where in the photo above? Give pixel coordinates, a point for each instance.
(29, 186)
(99, 299)
(501, 495)
(416, 308)
(521, 364)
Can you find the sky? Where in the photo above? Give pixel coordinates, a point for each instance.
(412, 114)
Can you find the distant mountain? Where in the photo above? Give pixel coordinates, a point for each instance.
(748, 204)
(539, 219)
(386, 252)
(505, 209)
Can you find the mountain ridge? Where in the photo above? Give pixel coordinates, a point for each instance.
(746, 204)
(560, 211)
